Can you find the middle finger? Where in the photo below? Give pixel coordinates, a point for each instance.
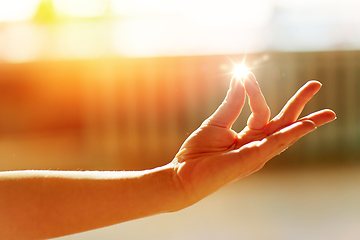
(294, 106)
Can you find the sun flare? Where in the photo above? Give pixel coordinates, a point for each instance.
(240, 70)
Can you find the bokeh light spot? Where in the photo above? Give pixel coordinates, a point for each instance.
(17, 10)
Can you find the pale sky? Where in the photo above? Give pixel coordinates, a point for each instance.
(142, 28)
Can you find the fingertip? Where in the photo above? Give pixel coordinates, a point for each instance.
(314, 81)
(328, 114)
(250, 83)
(314, 84)
(249, 77)
(250, 74)
(321, 117)
(235, 80)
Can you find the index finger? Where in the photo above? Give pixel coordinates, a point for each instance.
(260, 110)
(252, 156)
(294, 106)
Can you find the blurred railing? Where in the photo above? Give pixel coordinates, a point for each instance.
(135, 113)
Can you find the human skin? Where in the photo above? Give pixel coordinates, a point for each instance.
(47, 204)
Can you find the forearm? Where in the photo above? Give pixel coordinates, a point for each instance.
(44, 204)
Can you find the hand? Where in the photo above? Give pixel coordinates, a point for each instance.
(214, 155)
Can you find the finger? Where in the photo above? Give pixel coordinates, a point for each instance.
(252, 156)
(294, 106)
(284, 138)
(321, 117)
(260, 110)
(277, 142)
(229, 110)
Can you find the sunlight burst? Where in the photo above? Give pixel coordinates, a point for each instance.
(240, 70)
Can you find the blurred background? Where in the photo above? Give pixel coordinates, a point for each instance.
(119, 85)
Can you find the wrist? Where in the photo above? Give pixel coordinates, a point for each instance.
(167, 188)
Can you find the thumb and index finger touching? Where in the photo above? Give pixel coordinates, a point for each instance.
(229, 110)
(282, 131)
(231, 107)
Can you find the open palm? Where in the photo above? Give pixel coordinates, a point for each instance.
(215, 155)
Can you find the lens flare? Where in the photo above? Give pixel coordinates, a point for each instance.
(240, 70)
